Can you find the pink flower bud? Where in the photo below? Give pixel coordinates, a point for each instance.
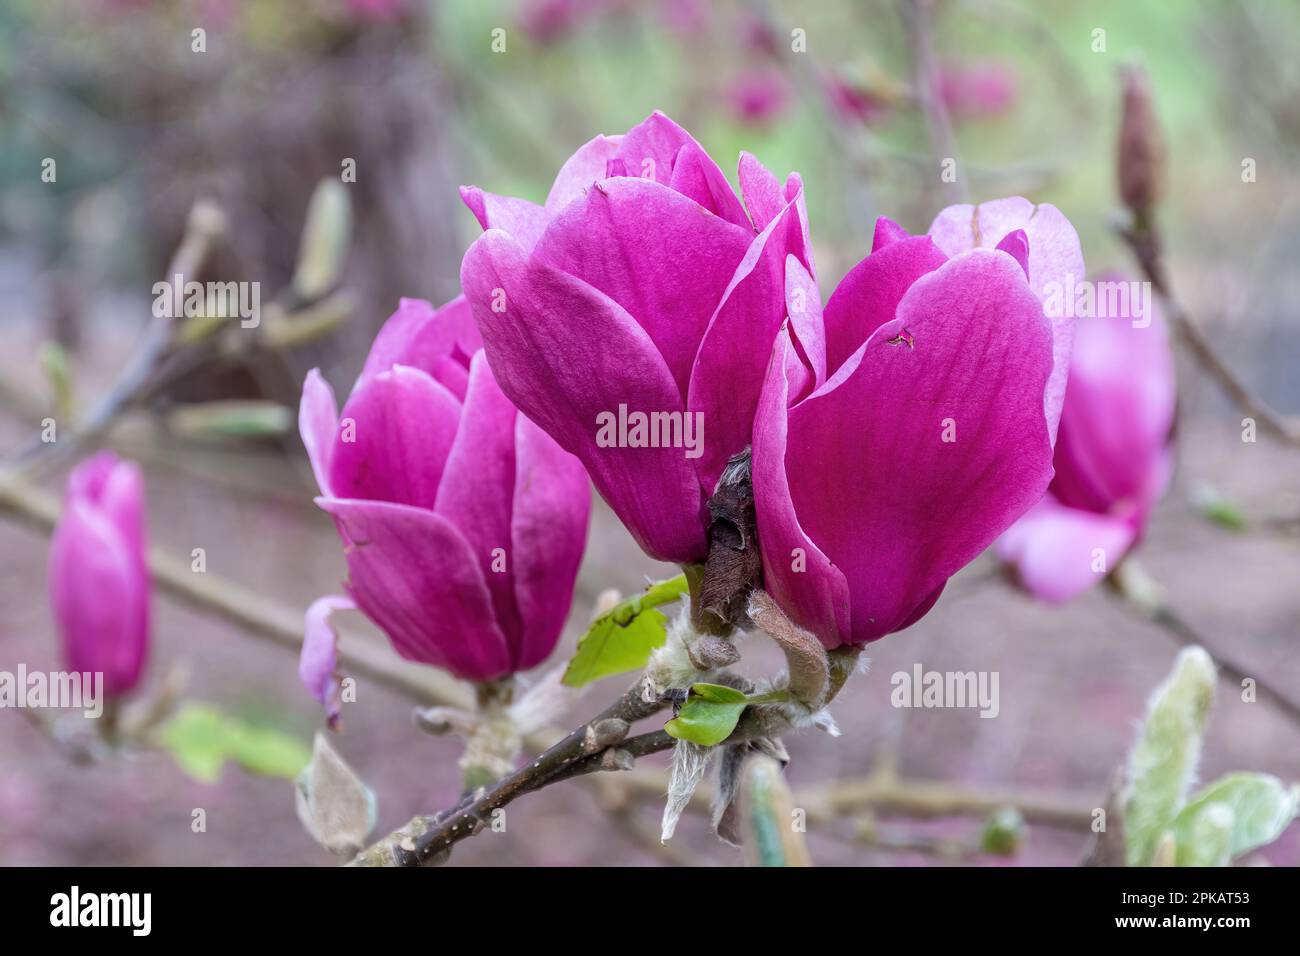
(1141, 145)
(99, 578)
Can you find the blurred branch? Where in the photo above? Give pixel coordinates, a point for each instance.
(916, 23)
(1141, 594)
(1145, 242)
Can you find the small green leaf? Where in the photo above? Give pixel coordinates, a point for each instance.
(711, 711)
(236, 418)
(1003, 832)
(326, 235)
(201, 739)
(623, 639)
(1262, 807)
(1214, 506)
(706, 722)
(1162, 761)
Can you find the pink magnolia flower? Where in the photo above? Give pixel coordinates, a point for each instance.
(643, 287)
(930, 431)
(1114, 456)
(463, 523)
(98, 573)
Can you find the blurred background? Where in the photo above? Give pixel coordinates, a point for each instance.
(142, 125)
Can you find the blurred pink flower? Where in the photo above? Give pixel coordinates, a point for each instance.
(758, 95)
(98, 575)
(892, 453)
(1114, 454)
(463, 523)
(854, 101)
(981, 90)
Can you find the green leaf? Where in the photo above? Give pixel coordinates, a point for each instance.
(326, 235)
(1163, 759)
(235, 418)
(1261, 806)
(711, 711)
(201, 739)
(1214, 506)
(1206, 837)
(623, 639)
(1003, 832)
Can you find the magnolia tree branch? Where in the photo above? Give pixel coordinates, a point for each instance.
(1141, 594)
(916, 24)
(1144, 240)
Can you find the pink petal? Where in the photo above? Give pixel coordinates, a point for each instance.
(868, 296)
(581, 170)
(697, 176)
(761, 191)
(402, 424)
(733, 357)
(1118, 414)
(804, 582)
(565, 354)
(437, 341)
(318, 423)
(318, 661)
(893, 505)
(804, 305)
(413, 574)
(1055, 263)
(552, 507)
(649, 148)
(1054, 549)
(522, 219)
(651, 251)
(477, 487)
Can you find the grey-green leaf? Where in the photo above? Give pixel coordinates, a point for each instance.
(1262, 806)
(1163, 760)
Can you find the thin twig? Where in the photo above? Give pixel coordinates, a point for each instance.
(1144, 240)
(916, 23)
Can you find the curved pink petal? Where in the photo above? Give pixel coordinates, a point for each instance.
(551, 510)
(437, 341)
(1055, 264)
(804, 306)
(733, 357)
(894, 505)
(393, 437)
(651, 251)
(318, 660)
(804, 582)
(868, 296)
(413, 574)
(318, 423)
(1060, 552)
(762, 192)
(540, 347)
(649, 148)
(1118, 414)
(477, 489)
(697, 176)
(522, 219)
(581, 170)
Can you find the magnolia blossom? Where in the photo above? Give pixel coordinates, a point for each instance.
(98, 573)
(643, 287)
(463, 523)
(1114, 457)
(890, 456)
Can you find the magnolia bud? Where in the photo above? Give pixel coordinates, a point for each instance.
(1141, 145)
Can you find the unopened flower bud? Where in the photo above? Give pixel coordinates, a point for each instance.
(1141, 146)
